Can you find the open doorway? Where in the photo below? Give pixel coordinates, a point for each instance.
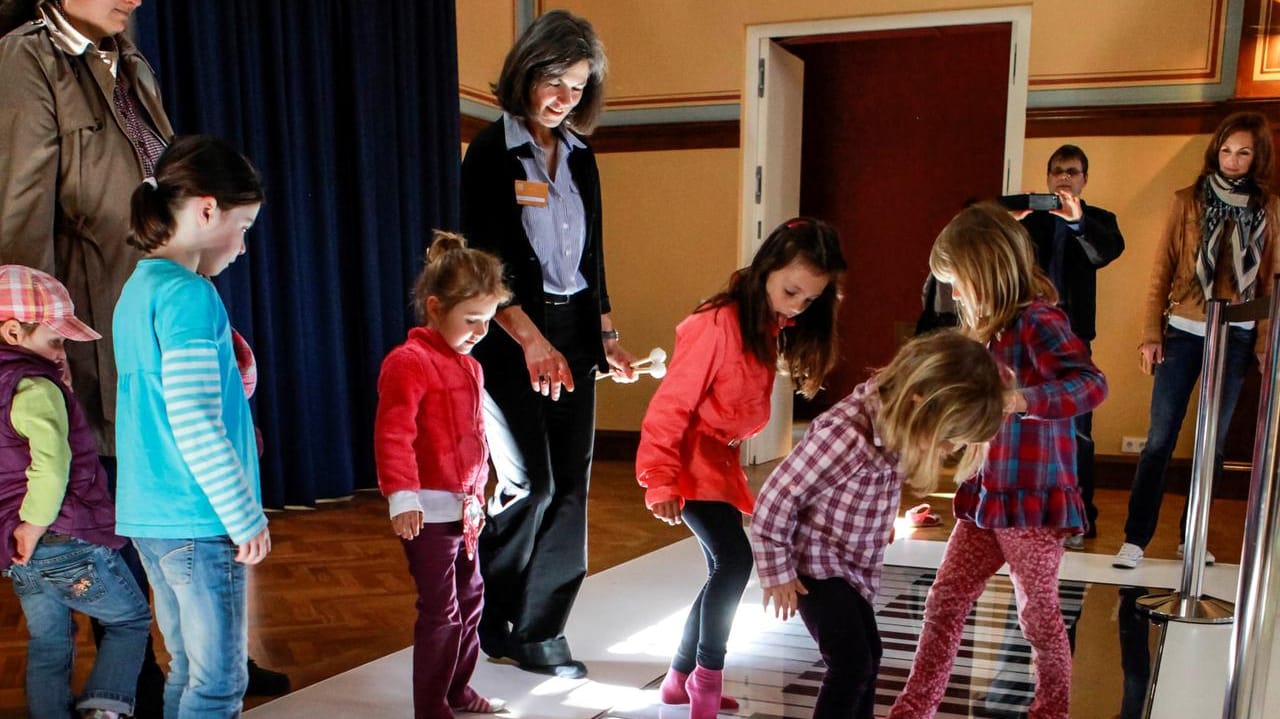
(901, 120)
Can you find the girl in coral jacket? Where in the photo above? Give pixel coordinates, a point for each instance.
(431, 455)
(1024, 503)
(780, 312)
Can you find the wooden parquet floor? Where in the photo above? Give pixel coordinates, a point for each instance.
(335, 593)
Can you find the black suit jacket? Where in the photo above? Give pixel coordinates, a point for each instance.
(491, 222)
(1094, 246)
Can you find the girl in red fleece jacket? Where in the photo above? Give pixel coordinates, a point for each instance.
(431, 455)
(778, 313)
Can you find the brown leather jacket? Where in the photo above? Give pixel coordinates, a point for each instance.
(1174, 286)
(67, 171)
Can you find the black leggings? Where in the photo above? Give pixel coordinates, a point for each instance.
(718, 527)
(844, 625)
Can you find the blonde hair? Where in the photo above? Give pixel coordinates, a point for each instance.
(940, 387)
(453, 273)
(984, 249)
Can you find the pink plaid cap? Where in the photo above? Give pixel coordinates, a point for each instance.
(29, 295)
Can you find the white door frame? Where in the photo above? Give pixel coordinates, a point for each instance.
(775, 439)
(1019, 17)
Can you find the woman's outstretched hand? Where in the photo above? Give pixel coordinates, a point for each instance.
(548, 369)
(620, 362)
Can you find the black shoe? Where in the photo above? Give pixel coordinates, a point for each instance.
(149, 701)
(571, 669)
(266, 683)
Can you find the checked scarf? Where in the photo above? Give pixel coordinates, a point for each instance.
(1224, 200)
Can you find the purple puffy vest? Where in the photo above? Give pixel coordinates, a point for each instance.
(88, 511)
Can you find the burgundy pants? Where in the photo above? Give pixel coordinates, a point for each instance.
(972, 556)
(450, 598)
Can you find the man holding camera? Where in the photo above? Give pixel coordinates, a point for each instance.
(1072, 243)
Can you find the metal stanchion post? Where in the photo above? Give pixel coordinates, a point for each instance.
(1250, 658)
(1188, 604)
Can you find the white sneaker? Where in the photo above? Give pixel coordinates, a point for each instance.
(1128, 556)
(1208, 556)
(1074, 541)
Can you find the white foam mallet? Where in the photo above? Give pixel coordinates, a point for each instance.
(655, 365)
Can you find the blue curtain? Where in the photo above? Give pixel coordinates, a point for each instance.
(349, 108)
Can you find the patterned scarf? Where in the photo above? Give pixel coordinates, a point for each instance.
(1224, 200)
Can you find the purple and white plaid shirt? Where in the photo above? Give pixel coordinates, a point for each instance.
(828, 509)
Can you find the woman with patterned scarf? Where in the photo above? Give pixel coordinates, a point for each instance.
(1219, 243)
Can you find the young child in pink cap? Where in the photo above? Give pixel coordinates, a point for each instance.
(56, 518)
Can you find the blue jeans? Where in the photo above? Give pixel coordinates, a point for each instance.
(67, 574)
(200, 602)
(1175, 380)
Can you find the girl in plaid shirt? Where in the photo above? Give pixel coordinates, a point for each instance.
(1024, 502)
(779, 311)
(825, 514)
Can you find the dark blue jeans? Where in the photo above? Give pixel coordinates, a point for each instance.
(1175, 380)
(718, 527)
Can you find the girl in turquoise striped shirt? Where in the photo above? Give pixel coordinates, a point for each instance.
(189, 494)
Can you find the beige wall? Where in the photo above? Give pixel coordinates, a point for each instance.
(486, 28)
(670, 226)
(677, 51)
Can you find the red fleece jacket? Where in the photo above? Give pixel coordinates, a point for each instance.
(429, 430)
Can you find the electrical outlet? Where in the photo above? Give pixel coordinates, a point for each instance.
(1132, 445)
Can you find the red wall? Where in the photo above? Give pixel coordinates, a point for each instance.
(900, 130)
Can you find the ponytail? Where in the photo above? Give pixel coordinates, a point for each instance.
(193, 166)
(152, 218)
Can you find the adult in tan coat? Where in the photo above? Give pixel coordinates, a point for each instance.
(1219, 243)
(81, 123)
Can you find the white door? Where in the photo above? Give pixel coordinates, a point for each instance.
(775, 197)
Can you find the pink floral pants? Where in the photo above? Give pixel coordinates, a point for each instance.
(972, 556)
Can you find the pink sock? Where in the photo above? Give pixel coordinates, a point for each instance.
(673, 691)
(704, 686)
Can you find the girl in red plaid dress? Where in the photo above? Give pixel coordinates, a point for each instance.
(825, 515)
(779, 311)
(1024, 503)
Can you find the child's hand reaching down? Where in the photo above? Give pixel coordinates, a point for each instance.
(785, 598)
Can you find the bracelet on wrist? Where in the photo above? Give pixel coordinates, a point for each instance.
(609, 334)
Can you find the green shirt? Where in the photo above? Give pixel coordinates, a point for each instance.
(39, 413)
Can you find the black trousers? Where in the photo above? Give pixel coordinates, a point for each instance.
(844, 624)
(718, 527)
(533, 550)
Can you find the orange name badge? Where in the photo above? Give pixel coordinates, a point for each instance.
(533, 194)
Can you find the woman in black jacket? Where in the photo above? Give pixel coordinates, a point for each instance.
(531, 195)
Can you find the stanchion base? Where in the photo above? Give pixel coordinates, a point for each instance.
(1171, 606)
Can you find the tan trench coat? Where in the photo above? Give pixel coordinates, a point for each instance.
(67, 171)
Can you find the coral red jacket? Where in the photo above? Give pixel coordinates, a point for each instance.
(429, 430)
(715, 395)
